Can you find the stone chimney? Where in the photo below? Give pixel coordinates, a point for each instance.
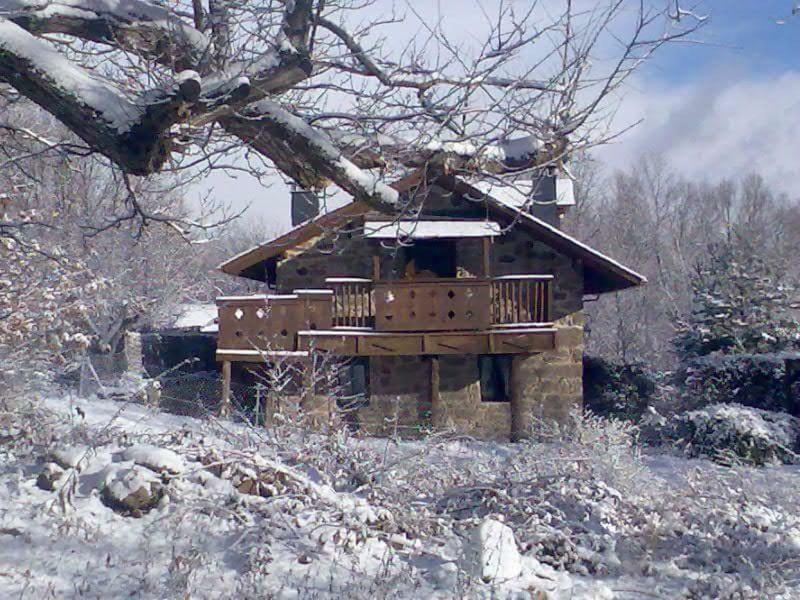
(544, 192)
(305, 206)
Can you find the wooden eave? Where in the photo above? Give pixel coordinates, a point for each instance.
(241, 263)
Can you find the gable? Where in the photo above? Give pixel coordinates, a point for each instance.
(602, 274)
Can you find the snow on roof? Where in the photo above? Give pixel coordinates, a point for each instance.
(517, 194)
(194, 316)
(430, 229)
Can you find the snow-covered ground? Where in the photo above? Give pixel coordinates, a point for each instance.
(254, 513)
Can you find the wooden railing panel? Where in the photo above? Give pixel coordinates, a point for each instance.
(432, 305)
(271, 322)
(353, 303)
(521, 299)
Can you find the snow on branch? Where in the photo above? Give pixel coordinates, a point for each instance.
(131, 24)
(128, 130)
(298, 147)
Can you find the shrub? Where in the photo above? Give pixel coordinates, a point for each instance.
(755, 380)
(731, 433)
(610, 389)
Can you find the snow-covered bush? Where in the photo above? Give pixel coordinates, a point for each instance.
(731, 433)
(583, 514)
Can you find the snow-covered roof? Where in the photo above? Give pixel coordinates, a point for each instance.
(421, 229)
(518, 194)
(194, 316)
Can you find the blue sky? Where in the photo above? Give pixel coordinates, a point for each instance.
(724, 106)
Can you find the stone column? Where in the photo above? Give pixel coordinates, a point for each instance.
(549, 385)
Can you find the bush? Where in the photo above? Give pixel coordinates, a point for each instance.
(610, 389)
(731, 433)
(755, 380)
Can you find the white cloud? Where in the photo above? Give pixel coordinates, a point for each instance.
(719, 127)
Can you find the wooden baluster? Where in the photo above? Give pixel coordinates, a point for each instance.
(527, 301)
(540, 300)
(506, 302)
(361, 289)
(520, 285)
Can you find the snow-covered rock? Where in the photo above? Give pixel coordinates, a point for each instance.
(131, 490)
(49, 476)
(730, 431)
(71, 457)
(155, 458)
(490, 553)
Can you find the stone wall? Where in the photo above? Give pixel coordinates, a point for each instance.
(461, 406)
(399, 400)
(334, 255)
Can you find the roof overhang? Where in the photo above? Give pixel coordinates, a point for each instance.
(602, 274)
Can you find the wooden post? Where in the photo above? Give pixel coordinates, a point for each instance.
(486, 258)
(376, 265)
(225, 407)
(307, 393)
(437, 410)
(518, 417)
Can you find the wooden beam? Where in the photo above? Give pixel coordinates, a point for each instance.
(487, 257)
(437, 409)
(376, 263)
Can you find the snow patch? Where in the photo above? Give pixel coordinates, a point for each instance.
(155, 458)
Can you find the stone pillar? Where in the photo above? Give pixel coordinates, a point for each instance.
(549, 385)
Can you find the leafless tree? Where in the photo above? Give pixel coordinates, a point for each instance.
(320, 90)
(665, 225)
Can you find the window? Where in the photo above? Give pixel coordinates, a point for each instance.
(431, 258)
(495, 377)
(354, 384)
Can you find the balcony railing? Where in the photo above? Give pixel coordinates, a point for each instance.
(521, 299)
(247, 323)
(352, 302)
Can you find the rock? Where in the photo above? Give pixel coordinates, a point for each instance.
(132, 490)
(490, 553)
(71, 457)
(731, 432)
(49, 477)
(155, 458)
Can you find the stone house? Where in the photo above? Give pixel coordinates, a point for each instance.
(464, 311)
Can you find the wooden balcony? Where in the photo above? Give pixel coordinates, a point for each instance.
(423, 316)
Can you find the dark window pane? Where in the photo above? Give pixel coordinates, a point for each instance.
(354, 384)
(495, 377)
